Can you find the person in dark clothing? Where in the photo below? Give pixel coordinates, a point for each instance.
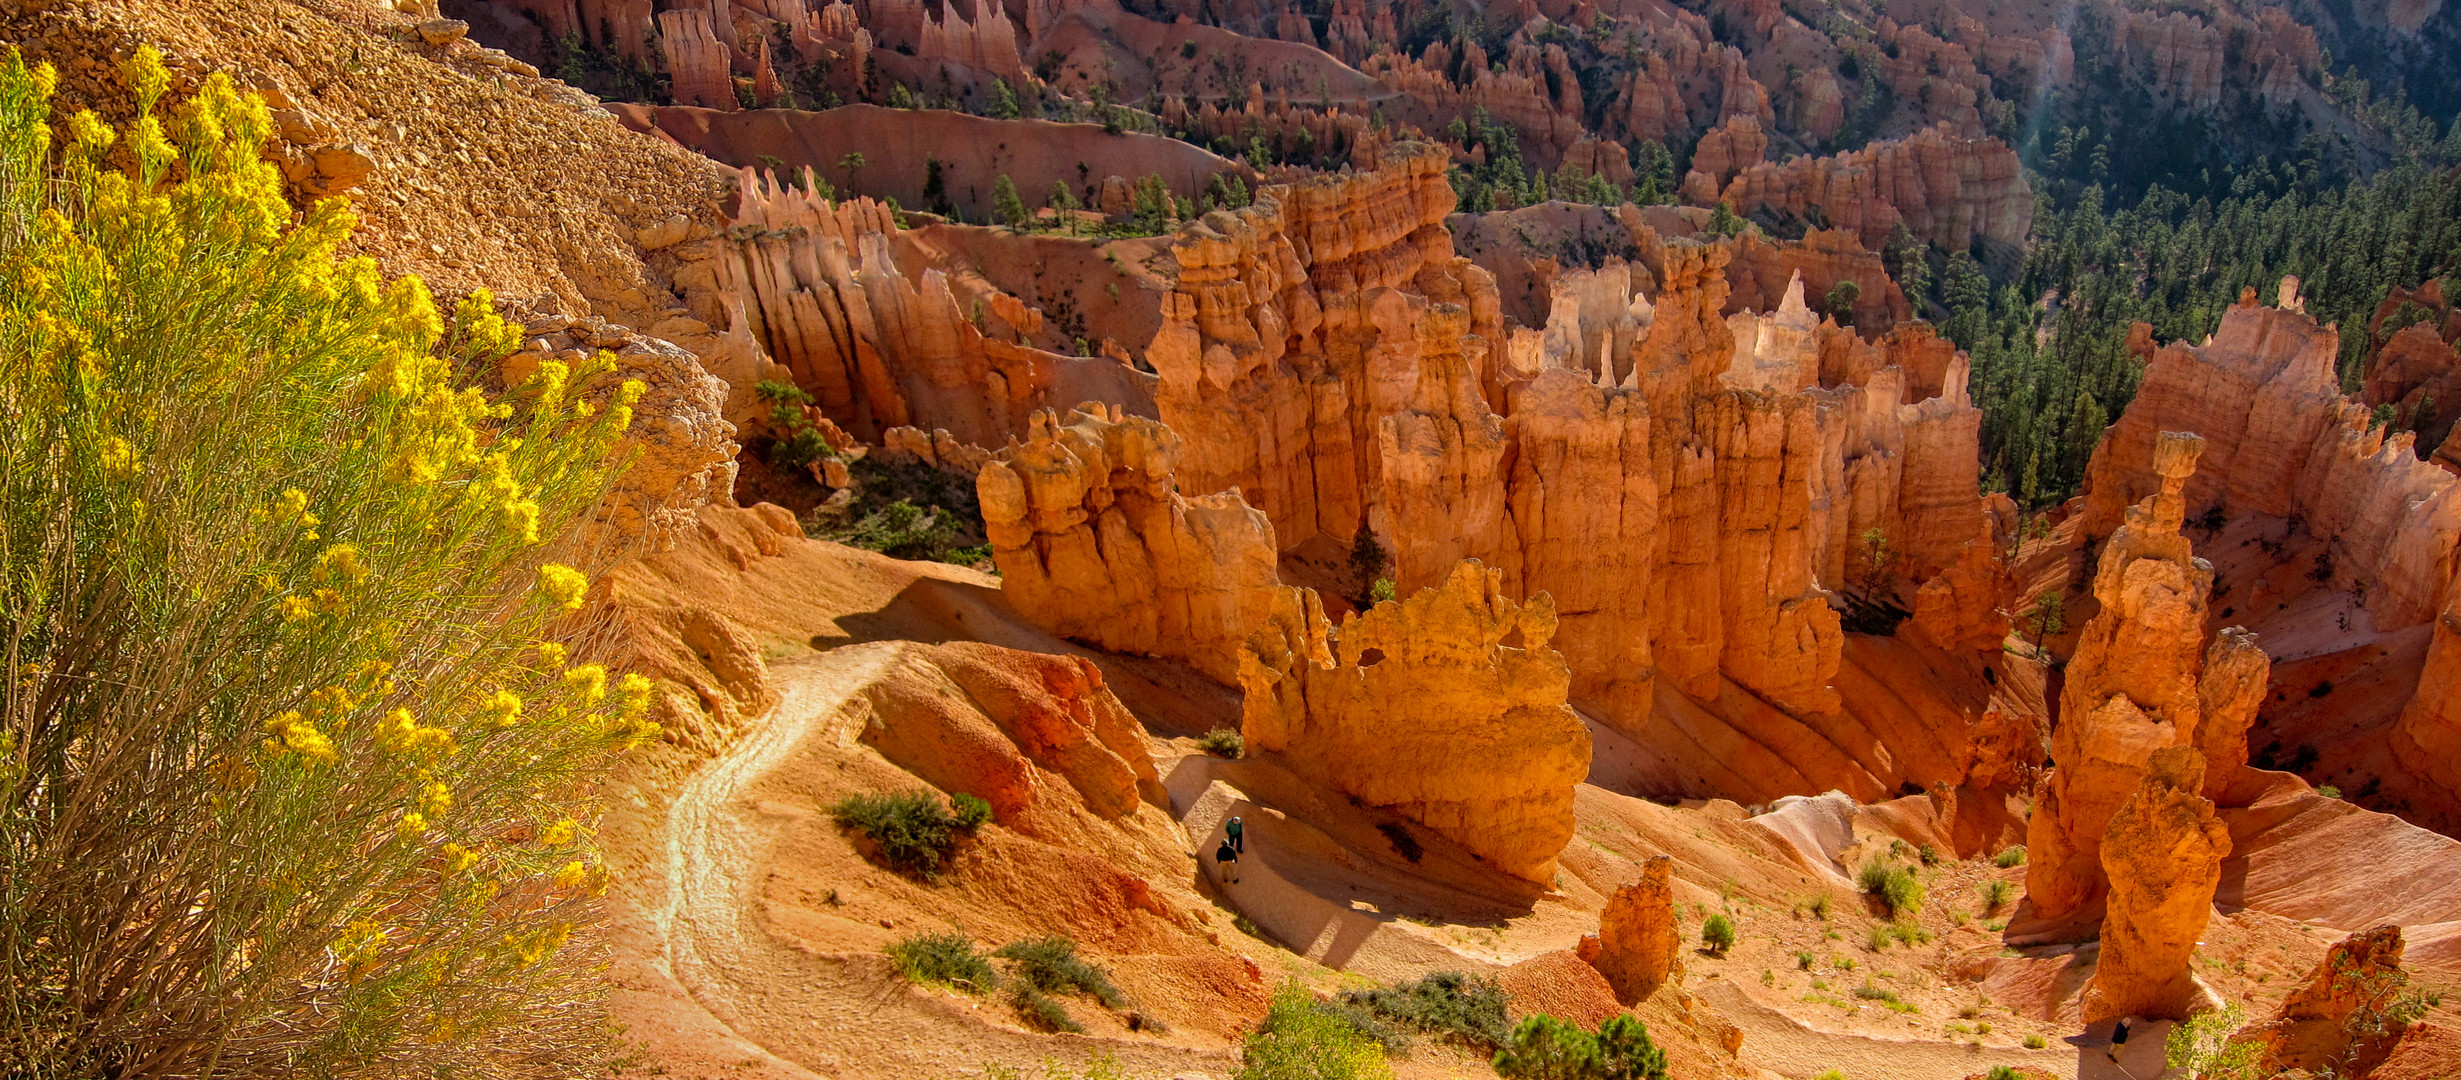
(2119, 1038)
(1237, 833)
(1226, 859)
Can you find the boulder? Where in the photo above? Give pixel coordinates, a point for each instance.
(2339, 1018)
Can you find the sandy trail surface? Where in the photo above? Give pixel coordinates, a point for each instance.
(711, 991)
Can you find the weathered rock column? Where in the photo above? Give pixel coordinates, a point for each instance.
(2134, 687)
(1637, 940)
(2163, 855)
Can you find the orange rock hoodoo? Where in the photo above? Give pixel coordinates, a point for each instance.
(2283, 442)
(1638, 938)
(1095, 545)
(1688, 508)
(1420, 707)
(2163, 855)
(2138, 682)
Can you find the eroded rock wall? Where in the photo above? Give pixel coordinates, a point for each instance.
(2282, 441)
(1418, 705)
(1095, 544)
(821, 284)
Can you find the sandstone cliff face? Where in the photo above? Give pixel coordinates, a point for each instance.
(1688, 500)
(2164, 858)
(821, 286)
(1948, 189)
(1639, 939)
(1095, 545)
(2283, 442)
(2427, 740)
(1418, 705)
(2338, 1019)
(2138, 682)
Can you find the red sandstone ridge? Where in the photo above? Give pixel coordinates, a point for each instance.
(897, 145)
(1949, 190)
(825, 288)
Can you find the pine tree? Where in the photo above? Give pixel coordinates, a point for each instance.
(1368, 564)
(1006, 204)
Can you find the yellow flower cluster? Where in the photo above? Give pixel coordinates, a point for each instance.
(340, 564)
(401, 733)
(634, 694)
(587, 682)
(435, 798)
(293, 733)
(502, 708)
(358, 948)
(457, 859)
(534, 947)
(563, 586)
(558, 834)
(119, 459)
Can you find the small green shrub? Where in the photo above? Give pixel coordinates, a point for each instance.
(913, 830)
(2203, 1046)
(1545, 1048)
(1224, 742)
(1832, 1074)
(1626, 1052)
(945, 960)
(1820, 906)
(1872, 876)
(1929, 854)
(2329, 791)
(2003, 1072)
(2036, 1042)
(1896, 886)
(1459, 1008)
(1718, 933)
(1381, 591)
(2012, 855)
(1052, 966)
(971, 811)
(1301, 1038)
(1996, 894)
(1803, 959)
(1040, 1011)
(1880, 937)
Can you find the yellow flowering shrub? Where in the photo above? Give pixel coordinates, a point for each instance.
(284, 781)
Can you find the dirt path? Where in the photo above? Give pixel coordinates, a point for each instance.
(1787, 1046)
(748, 1004)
